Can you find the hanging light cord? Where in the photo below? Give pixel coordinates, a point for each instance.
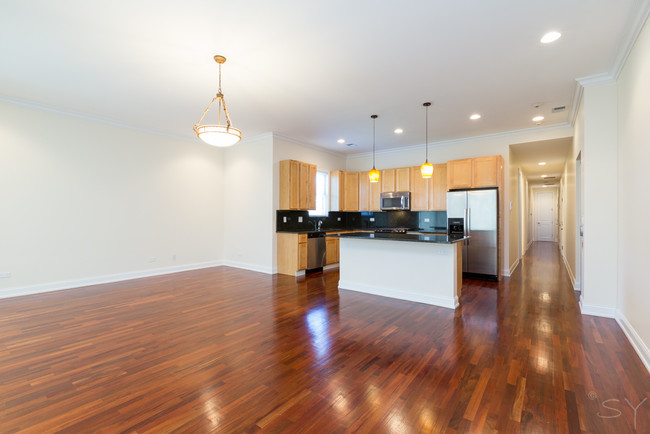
(219, 97)
(426, 133)
(374, 118)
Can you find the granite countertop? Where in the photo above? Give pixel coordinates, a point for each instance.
(418, 238)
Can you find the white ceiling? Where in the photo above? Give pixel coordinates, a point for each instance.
(311, 71)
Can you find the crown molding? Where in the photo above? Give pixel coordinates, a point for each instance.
(596, 79)
(639, 20)
(308, 145)
(577, 100)
(78, 115)
(504, 134)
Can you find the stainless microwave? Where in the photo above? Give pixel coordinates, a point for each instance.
(400, 200)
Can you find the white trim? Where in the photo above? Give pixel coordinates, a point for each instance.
(637, 343)
(513, 267)
(97, 280)
(464, 139)
(249, 267)
(98, 119)
(596, 79)
(570, 273)
(639, 20)
(578, 92)
(605, 312)
(309, 145)
(448, 302)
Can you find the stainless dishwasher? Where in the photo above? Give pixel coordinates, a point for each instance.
(315, 250)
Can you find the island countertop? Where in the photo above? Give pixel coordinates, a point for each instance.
(417, 238)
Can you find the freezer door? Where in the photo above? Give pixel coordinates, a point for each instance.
(481, 222)
(456, 204)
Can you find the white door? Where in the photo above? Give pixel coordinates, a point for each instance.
(544, 215)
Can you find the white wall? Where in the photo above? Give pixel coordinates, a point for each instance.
(84, 202)
(248, 193)
(599, 166)
(633, 197)
(441, 152)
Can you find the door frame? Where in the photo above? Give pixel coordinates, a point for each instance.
(553, 189)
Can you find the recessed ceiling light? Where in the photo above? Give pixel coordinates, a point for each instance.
(544, 176)
(538, 118)
(550, 37)
(398, 131)
(341, 141)
(475, 116)
(542, 163)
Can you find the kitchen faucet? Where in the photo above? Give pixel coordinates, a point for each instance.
(320, 222)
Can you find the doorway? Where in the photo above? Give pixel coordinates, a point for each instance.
(545, 211)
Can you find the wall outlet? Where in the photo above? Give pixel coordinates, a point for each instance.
(151, 259)
(284, 219)
(427, 220)
(174, 257)
(300, 219)
(372, 219)
(338, 219)
(5, 274)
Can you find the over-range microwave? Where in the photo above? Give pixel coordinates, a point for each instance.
(399, 200)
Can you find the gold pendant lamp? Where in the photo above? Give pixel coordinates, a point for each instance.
(217, 134)
(427, 168)
(374, 173)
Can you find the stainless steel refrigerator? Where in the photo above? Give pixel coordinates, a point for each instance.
(479, 211)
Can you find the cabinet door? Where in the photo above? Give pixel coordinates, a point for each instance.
(402, 179)
(302, 256)
(331, 251)
(484, 172)
(364, 191)
(438, 188)
(312, 187)
(350, 191)
(459, 173)
(387, 180)
(305, 187)
(289, 184)
(419, 190)
(375, 194)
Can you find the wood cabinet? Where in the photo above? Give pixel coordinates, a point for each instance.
(419, 190)
(297, 185)
(331, 251)
(438, 188)
(369, 193)
(403, 179)
(387, 180)
(344, 191)
(475, 172)
(292, 253)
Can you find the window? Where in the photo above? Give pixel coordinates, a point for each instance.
(322, 195)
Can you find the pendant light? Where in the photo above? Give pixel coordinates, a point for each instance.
(427, 168)
(218, 135)
(374, 173)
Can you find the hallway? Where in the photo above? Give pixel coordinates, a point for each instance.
(228, 350)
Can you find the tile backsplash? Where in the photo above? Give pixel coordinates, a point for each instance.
(437, 220)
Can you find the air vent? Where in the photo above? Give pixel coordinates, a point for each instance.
(351, 145)
(559, 109)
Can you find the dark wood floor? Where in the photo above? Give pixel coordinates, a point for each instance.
(228, 350)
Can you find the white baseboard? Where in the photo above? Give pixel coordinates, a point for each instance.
(605, 312)
(637, 343)
(249, 267)
(97, 280)
(571, 276)
(448, 302)
(512, 269)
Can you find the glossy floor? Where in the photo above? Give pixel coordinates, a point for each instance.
(227, 350)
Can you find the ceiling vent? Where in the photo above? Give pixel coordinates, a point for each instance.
(550, 177)
(559, 109)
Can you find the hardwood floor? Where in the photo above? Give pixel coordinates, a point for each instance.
(228, 350)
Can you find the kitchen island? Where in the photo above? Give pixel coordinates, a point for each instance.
(414, 267)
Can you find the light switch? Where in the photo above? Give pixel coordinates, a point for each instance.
(284, 219)
(300, 219)
(427, 220)
(372, 219)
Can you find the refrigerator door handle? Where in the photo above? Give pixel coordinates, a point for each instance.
(467, 222)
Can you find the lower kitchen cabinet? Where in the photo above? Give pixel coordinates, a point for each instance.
(292, 253)
(331, 251)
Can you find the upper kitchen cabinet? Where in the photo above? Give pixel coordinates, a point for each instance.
(419, 190)
(297, 185)
(438, 188)
(344, 191)
(475, 172)
(395, 179)
(369, 193)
